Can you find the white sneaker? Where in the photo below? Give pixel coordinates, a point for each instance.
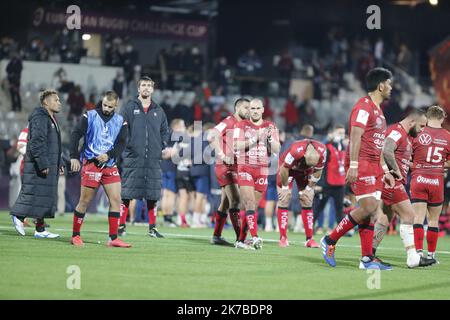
(268, 228)
(242, 245)
(18, 225)
(257, 243)
(45, 234)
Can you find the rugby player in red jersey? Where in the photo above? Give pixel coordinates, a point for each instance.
(256, 139)
(226, 170)
(302, 162)
(367, 127)
(431, 153)
(397, 154)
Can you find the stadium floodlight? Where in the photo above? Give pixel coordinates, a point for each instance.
(86, 37)
(434, 2)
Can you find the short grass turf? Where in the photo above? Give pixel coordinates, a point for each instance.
(184, 265)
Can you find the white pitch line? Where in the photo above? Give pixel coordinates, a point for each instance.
(193, 236)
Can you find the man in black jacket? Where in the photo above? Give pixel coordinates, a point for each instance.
(148, 135)
(42, 167)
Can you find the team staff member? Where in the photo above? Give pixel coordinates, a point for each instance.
(42, 167)
(148, 135)
(333, 182)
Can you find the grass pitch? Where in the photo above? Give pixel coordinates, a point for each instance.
(185, 266)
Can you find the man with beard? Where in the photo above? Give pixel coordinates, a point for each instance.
(397, 153)
(226, 171)
(148, 135)
(104, 133)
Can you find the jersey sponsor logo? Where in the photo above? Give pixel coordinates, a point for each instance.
(115, 173)
(379, 140)
(362, 117)
(395, 135)
(261, 181)
(369, 180)
(96, 176)
(440, 141)
(425, 139)
(379, 123)
(423, 180)
(245, 176)
(289, 159)
(136, 111)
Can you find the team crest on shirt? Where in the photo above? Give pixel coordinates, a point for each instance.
(379, 122)
(425, 139)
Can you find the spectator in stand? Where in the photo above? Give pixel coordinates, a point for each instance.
(76, 103)
(307, 113)
(90, 104)
(194, 63)
(290, 114)
(161, 65)
(404, 58)
(184, 111)
(175, 62)
(223, 73)
(378, 52)
(119, 84)
(284, 65)
(129, 59)
(14, 71)
(249, 63)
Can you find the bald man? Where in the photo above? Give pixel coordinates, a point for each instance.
(302, 162)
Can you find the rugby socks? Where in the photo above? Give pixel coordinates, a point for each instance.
(244, 226)
(234, 218)
(418, 236)
(366, 236)
(378, 235)
(341, 229)
(308, 222)
(124, 213)
(113, 218)
(252, 222)
(183, 218)
(220, 219)
(283, 221)
(40, 225)
(78, 219)
(151, 213)
(432, 238)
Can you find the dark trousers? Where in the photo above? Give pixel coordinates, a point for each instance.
(321, 199)
(15, 98)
